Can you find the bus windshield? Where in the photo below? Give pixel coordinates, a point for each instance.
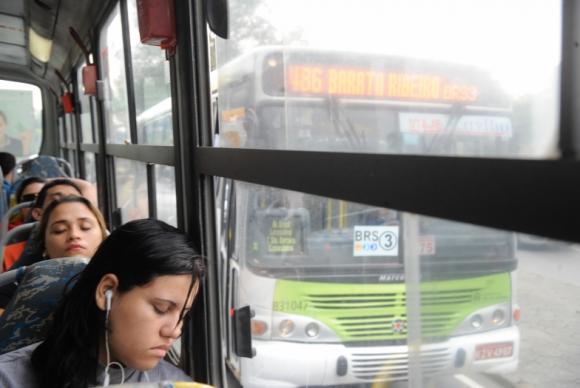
(295, 235)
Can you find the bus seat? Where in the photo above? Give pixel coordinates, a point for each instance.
(45, 166)
(162, 384)
(42, 166)
(28, 314)
(14, 210)
(17, 234)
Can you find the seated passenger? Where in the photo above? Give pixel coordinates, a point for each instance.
(26, 192)
(125, 310)
(27, 252)
(70, 226)
(7, 163)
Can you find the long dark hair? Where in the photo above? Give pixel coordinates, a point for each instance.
(136, 253)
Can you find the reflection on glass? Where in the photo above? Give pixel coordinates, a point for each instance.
(413, 77)
(152, 87)
(549, 298)
(332, 281)
(85, 110)
(132, 195)
(116, 110)
(61, 132)
(20, 118)
(166, 194)
(70, 129)
(90, 167)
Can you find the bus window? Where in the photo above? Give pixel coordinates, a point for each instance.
(85, 110)
(116, 110)
(289, 84)
(166, 194)
(152, 87)
(131, 184)
(90, 167)
(21, 124)
(342, 284)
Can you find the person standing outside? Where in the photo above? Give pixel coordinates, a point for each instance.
(7, 143)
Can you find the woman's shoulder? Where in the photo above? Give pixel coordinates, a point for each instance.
(16, 368)
(18, 354)
(167, 371)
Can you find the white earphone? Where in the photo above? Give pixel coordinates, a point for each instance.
(108, 298)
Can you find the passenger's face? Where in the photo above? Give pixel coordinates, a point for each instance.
(30, 190)
(146, 320)
(72, 230)
(58, 192)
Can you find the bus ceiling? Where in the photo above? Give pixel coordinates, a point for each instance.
(35, 38)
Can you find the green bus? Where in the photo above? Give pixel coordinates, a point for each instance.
(328, 281)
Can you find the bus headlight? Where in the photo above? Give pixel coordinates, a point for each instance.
(485, 319)
(498, 317)
(301, 328)
(286, 327)
(259, 328)
(476, 321)
(312, 330)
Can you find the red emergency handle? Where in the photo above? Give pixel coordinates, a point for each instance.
(90, 79)
(156, 22)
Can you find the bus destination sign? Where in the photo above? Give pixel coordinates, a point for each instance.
(365, 83)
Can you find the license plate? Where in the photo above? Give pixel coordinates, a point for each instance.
(489, 351)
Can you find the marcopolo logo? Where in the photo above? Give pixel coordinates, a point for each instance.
(376, 241)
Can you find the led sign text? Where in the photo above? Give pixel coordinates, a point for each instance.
(354, 82)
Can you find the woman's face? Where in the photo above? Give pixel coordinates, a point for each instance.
(72, 230)
(146, 320)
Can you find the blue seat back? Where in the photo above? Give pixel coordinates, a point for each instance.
(28, 315)
(45, 166)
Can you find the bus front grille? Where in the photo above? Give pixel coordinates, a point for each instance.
(368, 316)
(395, 365)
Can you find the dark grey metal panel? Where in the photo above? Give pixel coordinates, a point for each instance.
(143, 153)
(532, 196)
(94, 148)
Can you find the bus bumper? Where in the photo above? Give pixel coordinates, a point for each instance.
(286, 364)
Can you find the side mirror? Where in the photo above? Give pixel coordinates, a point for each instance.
(216, 14)
(242, 322)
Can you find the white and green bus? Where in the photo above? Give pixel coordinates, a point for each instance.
(327, 280)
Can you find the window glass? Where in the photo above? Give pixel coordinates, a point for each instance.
(112, 69)
(95, 119)
(20, 118)
(62, 131)
(73, 154)
(410, 77)
(166, 194)
(70, 129)
(132, 195)
(90, 167)
(85, 106)
(367, 296)
(152, 87)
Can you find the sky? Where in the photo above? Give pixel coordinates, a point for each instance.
(518, 41)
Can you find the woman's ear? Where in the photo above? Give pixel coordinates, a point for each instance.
(107, 282)
(36, 213)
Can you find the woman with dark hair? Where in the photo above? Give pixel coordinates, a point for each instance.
(70, 227)
(125, 310)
